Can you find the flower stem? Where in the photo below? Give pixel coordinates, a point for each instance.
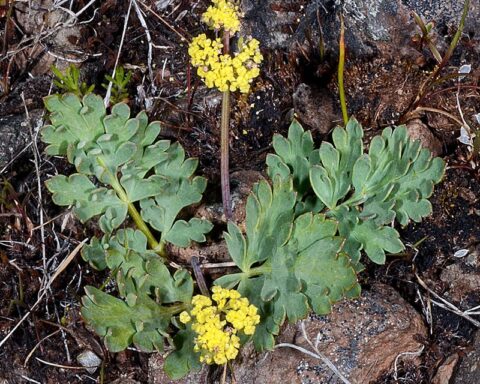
(224, 155)
(341, 66)
(224, 141)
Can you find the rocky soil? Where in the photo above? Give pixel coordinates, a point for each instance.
(416, 321)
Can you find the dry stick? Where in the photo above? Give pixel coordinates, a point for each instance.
(199, 276)
(224, 141)
(182, 38)
(125, 25)
(440, 111)
(59, 270)
(412, 354)
(39, 184)
(149, 41)
(65, 366)
(447, 305)
(37, 345)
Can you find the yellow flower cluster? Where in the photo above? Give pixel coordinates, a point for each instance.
(217, 325)
(222, 14)
(224, 71)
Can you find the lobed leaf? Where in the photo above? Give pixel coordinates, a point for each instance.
(177, 189)
(304, 267)
(73, 121)
(140, 321)
(295, 152)
(183, 359)
(88, 200)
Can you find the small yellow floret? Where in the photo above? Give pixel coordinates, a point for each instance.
(185, 317)
(223, 71)
(222, 14)
(217, 322)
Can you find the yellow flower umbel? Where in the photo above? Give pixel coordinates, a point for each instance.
(223, 14)
(217, 324)
(222, 71)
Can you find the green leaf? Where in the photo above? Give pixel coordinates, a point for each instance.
(183, 233)
(183, 359)
(88, 200)
(304, 268)
(327, 273)
(282, 285)
(311, 228)
(177, 190)
(73, 121)
(140, 270)
(94, 253)
(374, 239)
(269, 219)
(397, 175)
(142, 321)
(237, 246)
(323, 186)
(167, 288)
(332, 178)
(294, 152)
(348, 142)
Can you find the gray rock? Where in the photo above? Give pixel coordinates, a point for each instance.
(419, 131)
(89, 360)
(350, 337)
(368, 23)
(315, 108)
(469, 370)
(15, 135)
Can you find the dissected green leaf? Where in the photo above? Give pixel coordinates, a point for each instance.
(304, 267)
(88, 200)
(295, 152)
(142, 321)
(94, 253)
(293, 260)
(366, 234)
(183, 232)
(73, 121)
(327, 273)
(120, 151)
(399, 174)
(183, 359)
(139, 269)
(269, 217)
(179, 189)
(284, 287)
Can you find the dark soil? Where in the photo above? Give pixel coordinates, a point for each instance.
(190, 114)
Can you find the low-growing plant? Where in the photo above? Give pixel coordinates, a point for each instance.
(300, 252)
(122, 167)
(120, 80)
(70, 81)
